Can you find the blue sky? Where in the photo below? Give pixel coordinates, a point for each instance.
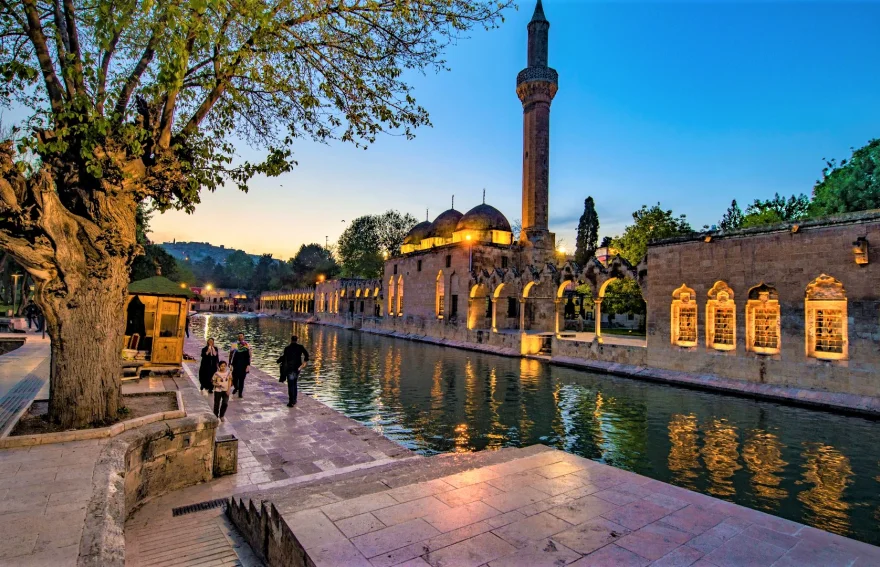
(690, 104)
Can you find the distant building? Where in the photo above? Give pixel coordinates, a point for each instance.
(219, 300)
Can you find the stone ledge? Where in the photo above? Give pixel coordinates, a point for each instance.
(7, 442)
(142, 463)
(837, 402)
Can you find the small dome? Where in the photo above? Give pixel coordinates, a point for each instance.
(484, 217)
(417, 233)
(444, 225)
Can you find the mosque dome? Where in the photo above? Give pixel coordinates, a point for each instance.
(483, 218)
(418, 232)
(444, 225)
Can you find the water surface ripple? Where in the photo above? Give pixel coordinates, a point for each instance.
(813, 467)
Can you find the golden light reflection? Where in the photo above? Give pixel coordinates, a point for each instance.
(762, 452)
(684, 454)
(461, 439)
(829, 471)
(720, 456)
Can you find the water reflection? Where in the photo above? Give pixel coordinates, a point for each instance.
(812, 467)
(829, 472)
(762, 453)
(684, 454)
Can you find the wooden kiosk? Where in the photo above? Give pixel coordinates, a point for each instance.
(155, 327)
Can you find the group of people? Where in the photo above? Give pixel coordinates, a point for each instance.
(221, 377)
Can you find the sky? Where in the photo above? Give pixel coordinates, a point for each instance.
(689, 104)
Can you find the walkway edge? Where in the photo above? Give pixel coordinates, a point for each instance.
(849, 404)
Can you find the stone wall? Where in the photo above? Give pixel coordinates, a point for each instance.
(583, 350)
(788, 260)
(142, 464)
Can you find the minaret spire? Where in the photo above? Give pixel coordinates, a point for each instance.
(536, 85)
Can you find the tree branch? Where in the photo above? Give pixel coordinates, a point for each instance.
(38, 40)
(135, 77)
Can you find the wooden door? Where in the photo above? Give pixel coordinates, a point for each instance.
(169, 333)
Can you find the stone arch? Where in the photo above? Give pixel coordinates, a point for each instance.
(392, 291)
(400, 295)
(506, 307)
(478, 318)
(440, 296)
(683, 322)
(721, 318)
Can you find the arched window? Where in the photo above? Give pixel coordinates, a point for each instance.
(400, 296)
(391, 289)
(721, 318)
(826, 319)
(684, 317)
(763, 320)
(441, 295)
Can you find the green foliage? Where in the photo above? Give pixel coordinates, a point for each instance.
(851, 185)
(587, 233)
(360, 249)
(154, 261)
(733, 217)
(239, 270)
(649, 224)
(368, 239)
(311, 262)
(623, 296)
(777, 209)
(261, 278)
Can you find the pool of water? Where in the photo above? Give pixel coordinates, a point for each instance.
(813, 467)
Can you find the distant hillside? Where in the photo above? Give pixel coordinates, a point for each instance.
(196, 251)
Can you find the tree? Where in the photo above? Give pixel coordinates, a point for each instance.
(140, 100)
(262, 273)
(310, 262)
(606, 242)
(393, 228)
(650, 224)
(360, 248)
(155, 259)
(239, 269)
(516, 229)
(733, 217)
(587, 233)
(851, 185)
(623, 296)
(777, 209)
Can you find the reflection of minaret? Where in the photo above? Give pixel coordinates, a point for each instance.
(536, 85)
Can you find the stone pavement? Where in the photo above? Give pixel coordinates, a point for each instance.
(44, 492)
(544, 508)
(24, 376)
(278, 447)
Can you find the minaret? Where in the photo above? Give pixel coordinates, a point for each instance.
(536, 86)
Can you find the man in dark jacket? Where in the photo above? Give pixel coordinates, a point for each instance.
(240, 360)
(292, 360)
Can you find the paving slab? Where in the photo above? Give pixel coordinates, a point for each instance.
(485, 510)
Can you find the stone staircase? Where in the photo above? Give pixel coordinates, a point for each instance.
(264, 518)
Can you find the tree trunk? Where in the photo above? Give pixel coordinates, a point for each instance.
(86, 328)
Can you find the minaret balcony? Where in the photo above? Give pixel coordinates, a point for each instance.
(543, 74)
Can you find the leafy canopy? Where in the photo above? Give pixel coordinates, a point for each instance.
(164, 89)
(368, 239)
(851, 185)
(649, 224)
(777, 209)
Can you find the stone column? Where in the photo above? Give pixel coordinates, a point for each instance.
(597, 312)
(469, 313)
(556, 303)
(494, 314)
(522, 314)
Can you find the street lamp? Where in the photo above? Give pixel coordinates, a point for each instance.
(14, 291)
(182, 285)
(209, 287)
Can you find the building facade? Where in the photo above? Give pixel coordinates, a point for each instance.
(787, 305)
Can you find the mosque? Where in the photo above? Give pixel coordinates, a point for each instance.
(792, 305)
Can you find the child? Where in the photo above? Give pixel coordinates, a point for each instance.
(222, 382)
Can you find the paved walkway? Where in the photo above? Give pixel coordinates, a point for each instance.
(278, 447)
(543, 508)
(24, 376)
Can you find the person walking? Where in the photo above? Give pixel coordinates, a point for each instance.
(240, 360)
(292, 361)
(221, 382)
(208, 366)
(30, 311)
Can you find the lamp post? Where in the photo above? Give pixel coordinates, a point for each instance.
(14, 291)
